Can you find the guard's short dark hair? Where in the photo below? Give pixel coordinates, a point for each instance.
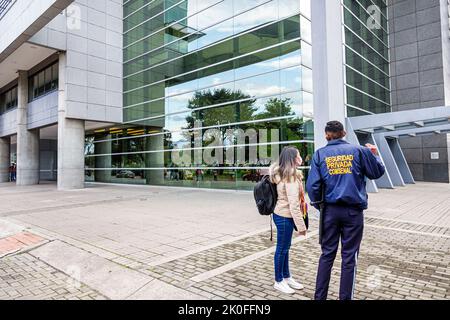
(334, 126)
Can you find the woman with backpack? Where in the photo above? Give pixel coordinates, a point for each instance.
(288, 214)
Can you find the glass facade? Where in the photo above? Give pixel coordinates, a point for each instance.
(366, 54)
(43, 82)
(8, 100)
(207, 85)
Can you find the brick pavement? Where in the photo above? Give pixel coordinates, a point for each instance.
(24, 277)
(394, 263)
(404, 255)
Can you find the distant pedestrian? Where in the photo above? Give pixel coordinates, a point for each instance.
(337, 180)
(12, 172)
(288, 214)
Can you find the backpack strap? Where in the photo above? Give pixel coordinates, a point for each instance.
(271, 228)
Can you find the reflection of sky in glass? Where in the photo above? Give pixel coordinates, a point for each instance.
(220, 20)
(269, 83)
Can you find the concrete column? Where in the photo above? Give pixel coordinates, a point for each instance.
(328, 66)
(353, 138)
(154, 159)
(389, 160)
(27, 140)
(70, 139)
(5, 160)
(103, 161)
(400, 160)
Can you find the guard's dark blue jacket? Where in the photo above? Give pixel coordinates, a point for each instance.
(343, 168)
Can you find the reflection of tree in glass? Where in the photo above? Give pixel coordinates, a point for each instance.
(228, 113)
(223, 114)
(291, 128)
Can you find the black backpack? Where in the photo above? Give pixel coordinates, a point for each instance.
(265, 193)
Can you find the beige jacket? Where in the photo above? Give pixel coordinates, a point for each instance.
(288, 204)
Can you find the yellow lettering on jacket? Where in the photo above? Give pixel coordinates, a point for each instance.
(339, 164)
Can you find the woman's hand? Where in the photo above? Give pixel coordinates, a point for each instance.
(302, 233)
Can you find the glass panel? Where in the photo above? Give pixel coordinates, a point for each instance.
(36, 86)
(41, 83)
(55, 76)
(369, 37)
(363, 101)
(48, 79)
(368, 86)
(234, 67)
(244, 44)
(362, 65)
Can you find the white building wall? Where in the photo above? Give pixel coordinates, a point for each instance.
(43, 111)
(91, 34)
(23, 19)
(328, 66)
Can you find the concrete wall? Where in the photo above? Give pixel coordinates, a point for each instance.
(418, 79)
(43, 111)
(53, 35)
(94, 57)
(8, 123)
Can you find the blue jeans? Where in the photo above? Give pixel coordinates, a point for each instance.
(285, 228)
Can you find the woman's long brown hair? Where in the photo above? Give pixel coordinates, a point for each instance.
(287, 169)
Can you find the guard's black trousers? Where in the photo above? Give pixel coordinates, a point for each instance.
(344, 223)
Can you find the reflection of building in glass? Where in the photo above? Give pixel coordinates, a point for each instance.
(225, 64)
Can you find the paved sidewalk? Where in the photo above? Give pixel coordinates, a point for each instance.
(214, 245)
(27, 278)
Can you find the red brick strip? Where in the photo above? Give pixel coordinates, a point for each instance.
(18, 241)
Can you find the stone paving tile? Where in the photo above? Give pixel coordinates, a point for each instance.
(408, 226)
(24, 277)
(393, 265)
(210, 259)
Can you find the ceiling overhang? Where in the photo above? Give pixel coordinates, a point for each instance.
(23, 58)
(21, 22)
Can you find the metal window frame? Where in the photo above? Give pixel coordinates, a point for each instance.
(200, 148)
(199, 128)
(211, 65)
(214, 85)
(218, 105)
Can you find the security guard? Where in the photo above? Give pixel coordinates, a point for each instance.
(340, 170)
